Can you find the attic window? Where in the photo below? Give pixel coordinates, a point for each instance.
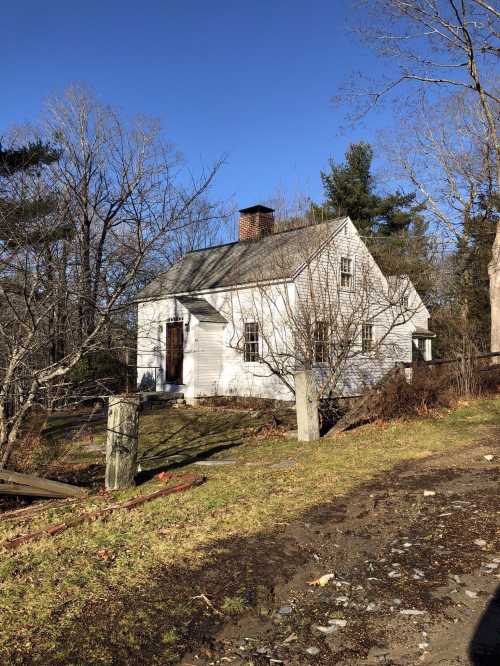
(346, 273)
(405, 301)
(251, 342)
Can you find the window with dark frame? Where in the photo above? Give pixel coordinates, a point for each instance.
(251, 342)
(321, 342)
(421, 346)
(366, 337)
(405, 302)
(346, 272)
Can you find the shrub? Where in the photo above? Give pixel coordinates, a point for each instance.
(97, 371)
(434, 386)
(429, 387)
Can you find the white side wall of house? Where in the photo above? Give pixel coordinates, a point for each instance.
(152, 318)
(209, 361)
(421, 315)
(254, 379)
(212, 364)
(420, 320)
(391, 333)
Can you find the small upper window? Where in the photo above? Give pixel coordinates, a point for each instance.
(366, 337)
(251, 342)
(405, 301)
(346, 272)
(321, 342)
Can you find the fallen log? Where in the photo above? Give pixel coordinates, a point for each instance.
(357, 415)
(52, 530)
(363, 411)
(50, 488)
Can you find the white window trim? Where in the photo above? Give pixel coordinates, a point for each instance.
(372, 339)
(325, 341)
(352, 259)
(259, 343)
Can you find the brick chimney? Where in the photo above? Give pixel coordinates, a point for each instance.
(256, 222)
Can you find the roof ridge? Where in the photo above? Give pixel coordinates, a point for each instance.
(279, 233)
(230, 264)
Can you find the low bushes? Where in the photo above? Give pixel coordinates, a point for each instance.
(433, 386)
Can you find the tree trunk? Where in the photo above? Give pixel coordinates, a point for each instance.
(122, 441)
(87, 305)
(494, 274)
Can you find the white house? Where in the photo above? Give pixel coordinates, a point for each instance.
(225, 321)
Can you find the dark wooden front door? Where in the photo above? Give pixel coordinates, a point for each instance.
(175, 352)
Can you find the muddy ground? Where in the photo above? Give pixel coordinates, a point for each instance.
(415, 558)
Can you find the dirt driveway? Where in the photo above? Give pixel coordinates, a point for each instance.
(415, 558)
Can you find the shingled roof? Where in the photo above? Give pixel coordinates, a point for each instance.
(273, 257)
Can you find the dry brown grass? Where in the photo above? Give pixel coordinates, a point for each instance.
(46, 587)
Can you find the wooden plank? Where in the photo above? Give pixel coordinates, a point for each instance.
(18, 489)
(187, 481)
(26, 513)
(59, 489)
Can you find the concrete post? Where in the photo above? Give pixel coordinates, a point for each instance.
(306, 402)
(122, 441)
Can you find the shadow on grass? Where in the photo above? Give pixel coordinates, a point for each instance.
(250, 567)
(171, 439)
(65, 426)
(187, 444)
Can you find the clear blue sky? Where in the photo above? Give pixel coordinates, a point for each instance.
(251, 80)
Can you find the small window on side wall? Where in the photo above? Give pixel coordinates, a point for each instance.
(366, 337)
(346, 273)
(251, 342)
(321, 342)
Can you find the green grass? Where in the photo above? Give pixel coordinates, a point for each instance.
(46, 586)
(233, 606)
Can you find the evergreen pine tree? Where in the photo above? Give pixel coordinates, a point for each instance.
(16, 216)
(350, 190)
(392, 223)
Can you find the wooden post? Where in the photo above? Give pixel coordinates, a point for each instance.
(306, 402)
(122, 441)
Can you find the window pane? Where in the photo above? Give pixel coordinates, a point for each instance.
(346, 275)
(251, 342)
(366, 337)
(321, 342)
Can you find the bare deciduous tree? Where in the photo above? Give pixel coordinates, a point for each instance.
(118, 196)
(442, 150)
(444, 45)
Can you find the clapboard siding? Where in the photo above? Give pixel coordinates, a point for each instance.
(212, 365)
(208, 361)
(367, 300)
